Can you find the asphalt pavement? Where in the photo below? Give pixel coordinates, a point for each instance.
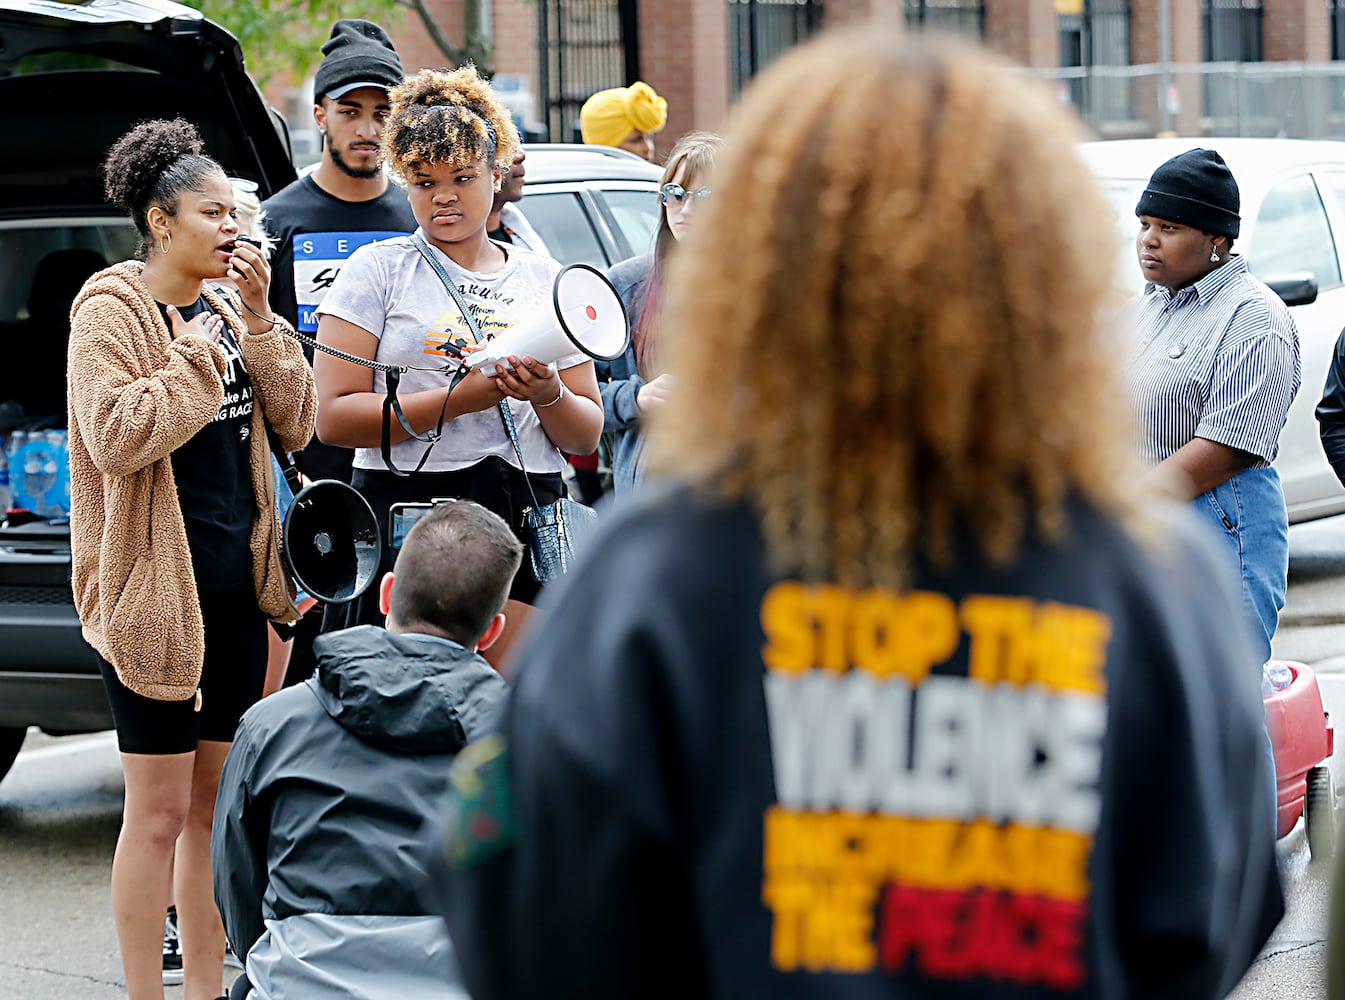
(60, 809)
(1312, 631)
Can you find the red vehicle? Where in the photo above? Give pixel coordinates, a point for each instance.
(1302, 738)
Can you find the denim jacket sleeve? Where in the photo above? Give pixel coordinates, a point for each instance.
(619, 407)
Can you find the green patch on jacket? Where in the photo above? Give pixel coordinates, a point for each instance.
(480, 819)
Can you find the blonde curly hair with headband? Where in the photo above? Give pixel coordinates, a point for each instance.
(892, 320)
(448, 117)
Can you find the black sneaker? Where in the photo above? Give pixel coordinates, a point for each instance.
(172, 950)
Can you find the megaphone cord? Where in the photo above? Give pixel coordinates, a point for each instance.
(449, 348)
(393, 377)
(391, 404)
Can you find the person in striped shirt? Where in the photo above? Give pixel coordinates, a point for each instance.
(1214, 369)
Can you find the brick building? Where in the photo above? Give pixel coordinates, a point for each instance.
(1106, 54)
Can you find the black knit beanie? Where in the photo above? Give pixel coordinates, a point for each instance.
(359, 54)
(1194, 189)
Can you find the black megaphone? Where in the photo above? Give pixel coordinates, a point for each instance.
(332, 542)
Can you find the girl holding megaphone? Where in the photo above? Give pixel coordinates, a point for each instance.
(450, 139)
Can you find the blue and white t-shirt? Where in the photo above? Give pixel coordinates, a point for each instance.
(315, 233)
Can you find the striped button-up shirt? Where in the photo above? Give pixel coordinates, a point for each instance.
(1217, 360)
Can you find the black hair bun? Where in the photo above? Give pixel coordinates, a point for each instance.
(138, 159)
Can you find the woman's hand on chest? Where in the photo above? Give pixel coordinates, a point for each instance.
(204, 324)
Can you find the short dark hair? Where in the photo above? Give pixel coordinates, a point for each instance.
(453, 573)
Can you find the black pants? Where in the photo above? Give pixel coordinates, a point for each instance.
(493, 483)
(231, 682)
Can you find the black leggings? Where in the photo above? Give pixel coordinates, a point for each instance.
(231, 682)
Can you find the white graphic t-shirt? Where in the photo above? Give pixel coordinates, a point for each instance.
(389, 289)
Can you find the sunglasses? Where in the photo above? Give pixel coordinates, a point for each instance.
(243, 184)
(679, 194)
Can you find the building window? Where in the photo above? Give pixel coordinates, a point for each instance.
(1336, 11)
(761, 30)
(583, 46)
(1232, 30)
(961, 17)
(1096, 33)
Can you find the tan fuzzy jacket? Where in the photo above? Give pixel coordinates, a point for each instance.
(135, 395)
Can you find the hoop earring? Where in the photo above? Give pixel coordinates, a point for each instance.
(165, 242)
(1214, 255)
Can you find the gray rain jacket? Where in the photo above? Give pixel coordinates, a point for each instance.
(322, 796)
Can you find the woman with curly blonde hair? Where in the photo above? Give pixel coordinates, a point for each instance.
(897, 694)
(450, 139)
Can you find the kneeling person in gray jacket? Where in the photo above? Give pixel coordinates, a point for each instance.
(328, 782)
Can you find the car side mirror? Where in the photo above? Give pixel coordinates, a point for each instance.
(1298, 288)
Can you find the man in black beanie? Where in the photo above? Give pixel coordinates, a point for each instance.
(319, 220)
(322, 218)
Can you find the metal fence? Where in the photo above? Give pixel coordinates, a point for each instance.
(581, 50)
(1289, 99)
(761, 30)
(958, 17)
(1097, 34)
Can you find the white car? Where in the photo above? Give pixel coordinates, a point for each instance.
(1293, 234)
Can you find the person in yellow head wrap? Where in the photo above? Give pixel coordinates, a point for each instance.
(625, 117)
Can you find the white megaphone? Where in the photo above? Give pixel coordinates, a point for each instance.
(587, 317)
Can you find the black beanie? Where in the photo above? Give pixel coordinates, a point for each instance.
(1194, 189)
(359, 54)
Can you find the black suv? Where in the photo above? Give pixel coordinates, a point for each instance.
(73, 78)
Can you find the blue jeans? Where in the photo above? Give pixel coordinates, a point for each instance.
(1248, 513)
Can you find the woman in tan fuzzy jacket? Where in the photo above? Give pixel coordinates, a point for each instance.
(174, 534)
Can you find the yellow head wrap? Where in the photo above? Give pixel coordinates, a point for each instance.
(610, 115)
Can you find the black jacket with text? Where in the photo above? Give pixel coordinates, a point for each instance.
(1046, 779)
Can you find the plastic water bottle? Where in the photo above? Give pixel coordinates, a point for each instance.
(39, 475)
(1275, 676)
(14, 462)
(57, 465)
(5, 495)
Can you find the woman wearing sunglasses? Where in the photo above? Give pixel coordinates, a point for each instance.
(634, 386)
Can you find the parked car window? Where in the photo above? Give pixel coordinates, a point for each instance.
(561, 220)
(22, 249)
(636, 215)
(1292, 234)
(1335, 182)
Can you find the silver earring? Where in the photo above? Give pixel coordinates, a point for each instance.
(1214, 255)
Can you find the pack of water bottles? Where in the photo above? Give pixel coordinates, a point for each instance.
(37, 467)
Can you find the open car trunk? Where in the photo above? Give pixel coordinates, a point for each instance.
(74, 77)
